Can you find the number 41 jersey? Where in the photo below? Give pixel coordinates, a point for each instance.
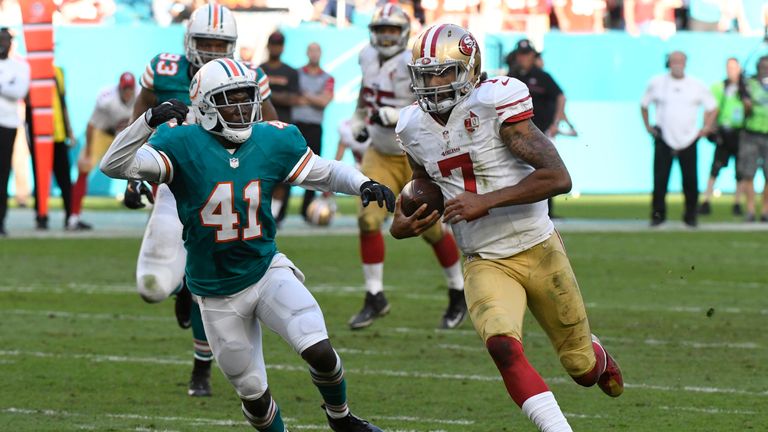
(467, 154)
(224, 199)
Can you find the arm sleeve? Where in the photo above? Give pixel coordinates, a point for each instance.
(264, 89)
(649, 96)
(100, 117)
(327, 175)
(512, 100)
(129, 158)
(148, 77)
(18, 86)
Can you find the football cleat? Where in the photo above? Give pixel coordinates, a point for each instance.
(183, 307)
(350, 423)
(200, 383)
(457, 310)
(375, 306)
(611, 381)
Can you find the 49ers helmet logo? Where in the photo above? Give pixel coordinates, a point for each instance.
(467, 44)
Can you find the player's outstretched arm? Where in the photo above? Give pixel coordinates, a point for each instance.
(334, 176)
(128, 158)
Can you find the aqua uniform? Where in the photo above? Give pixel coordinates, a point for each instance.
(224, 200)
(168, 76)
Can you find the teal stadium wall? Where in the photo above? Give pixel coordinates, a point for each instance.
(603, 76)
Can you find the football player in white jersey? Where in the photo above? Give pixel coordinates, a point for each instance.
(385, 90)
(473, 136)
(114, 107)
(211, 33)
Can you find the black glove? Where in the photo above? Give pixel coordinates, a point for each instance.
(363, 135)
(373, 191)
(170, 109)
(133, 193)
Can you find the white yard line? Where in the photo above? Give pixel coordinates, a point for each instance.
(709, 410)
(402, 330)
(377, 372)
(199, 421)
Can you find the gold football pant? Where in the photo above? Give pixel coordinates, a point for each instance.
(393, 171)
(99, 146)
(497, 291)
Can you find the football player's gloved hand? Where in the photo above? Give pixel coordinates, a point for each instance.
(133, 193)
(170, 109)
(386, 116)
(358, 128)
(372, 191)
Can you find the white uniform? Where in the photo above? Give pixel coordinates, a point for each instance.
(111, 114)
(385, 84)
(468, 155)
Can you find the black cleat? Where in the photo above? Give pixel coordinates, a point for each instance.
(41, 223)
(457, 310)
(736, 210)
(183, 306)
(200, 383)
(350, 423)
(375, 306)
(704, 208)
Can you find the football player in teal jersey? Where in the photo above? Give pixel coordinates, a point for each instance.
(222, 172)
(211, 33)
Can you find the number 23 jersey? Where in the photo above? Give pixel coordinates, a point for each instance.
(224, 199)
(467, 154)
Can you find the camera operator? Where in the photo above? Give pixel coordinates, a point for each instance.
(753, 149)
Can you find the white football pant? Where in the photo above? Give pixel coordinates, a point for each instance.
(160, 267)
(280, 301)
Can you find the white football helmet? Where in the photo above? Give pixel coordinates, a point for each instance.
(438, 49)
(321, 211)
(216, 80)
(390, 15)
(212, 21)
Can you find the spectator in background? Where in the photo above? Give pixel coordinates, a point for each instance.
(529, 16)
(730, 121)
(63, 139)
(114, 107)
(753, 148)
(580, 16)
(655, 17)
(705, 15)
(547, 97)
(284, 81)
(677, 98)
(14, 85)
(315, 93)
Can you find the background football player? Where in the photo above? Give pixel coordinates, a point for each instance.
(211, 33)
(222, 172)
(514, 256)
(113, 111)
(385, 90)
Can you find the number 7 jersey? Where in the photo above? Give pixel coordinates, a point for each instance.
(467, 154)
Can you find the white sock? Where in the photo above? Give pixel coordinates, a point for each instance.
(544, 412)
(454, 276)
(374, 277)
(276, 206)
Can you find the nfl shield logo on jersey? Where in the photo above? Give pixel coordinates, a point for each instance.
(234, 162)
(472, 122)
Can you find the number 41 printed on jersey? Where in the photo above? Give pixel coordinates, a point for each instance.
(219, 212)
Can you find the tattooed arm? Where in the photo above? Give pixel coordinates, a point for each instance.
(549, 178)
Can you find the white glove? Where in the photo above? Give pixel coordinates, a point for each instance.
(388, 115)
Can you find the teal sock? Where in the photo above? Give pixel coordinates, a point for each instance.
(333, 388)
(272, 422)
(202, 349)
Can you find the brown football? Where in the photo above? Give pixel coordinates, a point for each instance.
(420, 191)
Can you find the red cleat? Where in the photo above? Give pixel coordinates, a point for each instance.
(610, 382)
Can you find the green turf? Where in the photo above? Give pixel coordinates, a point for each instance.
(81, 351)
(629, 207)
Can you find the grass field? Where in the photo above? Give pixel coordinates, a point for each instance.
(684, 314)
(629, 207)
